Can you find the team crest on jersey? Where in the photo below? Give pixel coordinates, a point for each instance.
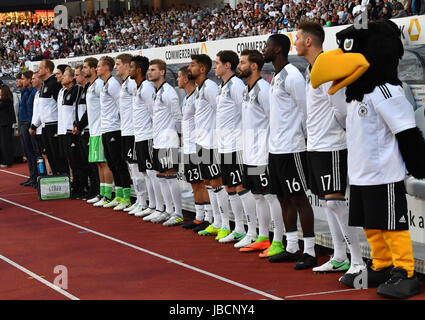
(68, 97)
(362, 110)
(45, 90)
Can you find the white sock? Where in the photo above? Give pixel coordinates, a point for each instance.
(166, 194)
(215, 208)
(276, 216)
(249, 206)
(208, 212)
(199, 212)
(138, 184)
(176, 195)
(263, 215)
(159, 200)
(223, 205)
(292, 245)
(309, 246)
(236, 205)
(340, 210)
(150, 190)
(338, 240)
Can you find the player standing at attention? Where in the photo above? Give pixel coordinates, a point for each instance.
(255, 133)
(110, 126)
(142, 122)
(96, 153)
(128, 89)
(327, 155)
(166, 125)
(192, 171)
(205, 112)
(287, 152)
(229, 142)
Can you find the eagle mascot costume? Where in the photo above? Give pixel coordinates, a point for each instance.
(384, 145)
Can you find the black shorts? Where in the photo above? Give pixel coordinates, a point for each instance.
(256, 179)
(208, 163)
(144, 155)
(112, 142)
(327, 172)
(128, 149)
(165, 159)
(288, 173)
(231, 165)
(192, 171)
(381, 207)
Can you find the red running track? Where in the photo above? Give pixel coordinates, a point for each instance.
(114, 256)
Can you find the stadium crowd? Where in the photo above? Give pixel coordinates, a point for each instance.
(105, 33)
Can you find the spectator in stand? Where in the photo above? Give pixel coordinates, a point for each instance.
(7, 119)
(399, 11)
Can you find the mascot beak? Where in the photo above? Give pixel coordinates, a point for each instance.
(339, 67)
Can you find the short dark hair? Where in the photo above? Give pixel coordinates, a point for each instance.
(62, 67)
(203, 59)
(49, 64)
(27, 74)
(91, 62)
(184, 70)
(314, 30)
(109, 62)
(254, 56)
(281, 41)
(141, 63)
(229, 56)
(124, 57)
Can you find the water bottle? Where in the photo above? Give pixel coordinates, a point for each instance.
(40, 166)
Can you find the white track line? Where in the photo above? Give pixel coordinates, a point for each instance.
(237, 284)
(318, 293)
(14, 173)
(32, 274)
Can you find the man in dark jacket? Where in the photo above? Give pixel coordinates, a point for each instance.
(29, 143)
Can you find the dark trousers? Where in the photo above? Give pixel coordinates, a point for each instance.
(30, 149)
(113, 154)
(78, 166)
(58, 163)
(91, 171)
(7, 149)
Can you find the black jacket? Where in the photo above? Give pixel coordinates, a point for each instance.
(7, 113)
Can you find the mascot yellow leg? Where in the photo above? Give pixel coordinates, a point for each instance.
(380, 251)
(401, 248)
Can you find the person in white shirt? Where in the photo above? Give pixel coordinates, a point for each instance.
(142, 124)
(192, 170)
(205, 121)
(229, 143)
(128, 89)
(327, 155)
(255, 134)
(110, 126)
(166, 126)
(96, 154)
(287, 152)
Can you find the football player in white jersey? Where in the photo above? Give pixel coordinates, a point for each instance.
(192, 171)
(255, 134)
(205, 116)
(110, 127)
(61, 131)
(229, 144)
(287, 152)
(166, 125)
(96, 153)
(142, 125)
(128, 89)
(327, 155)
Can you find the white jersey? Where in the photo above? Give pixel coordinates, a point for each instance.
(128, 89)
(325, 117)
(36, 112)
(188, 123)
(373, 154)
(255, 123)
(61, 123)
(287, 112)
(228, 115)
(93, 107)
(205, 115)
(167, 116)
(109, 109)
(142, 111)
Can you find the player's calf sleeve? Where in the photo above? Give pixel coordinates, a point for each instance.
(238, 212)
(338, 239)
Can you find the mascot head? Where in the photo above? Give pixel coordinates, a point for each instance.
(366, 58)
